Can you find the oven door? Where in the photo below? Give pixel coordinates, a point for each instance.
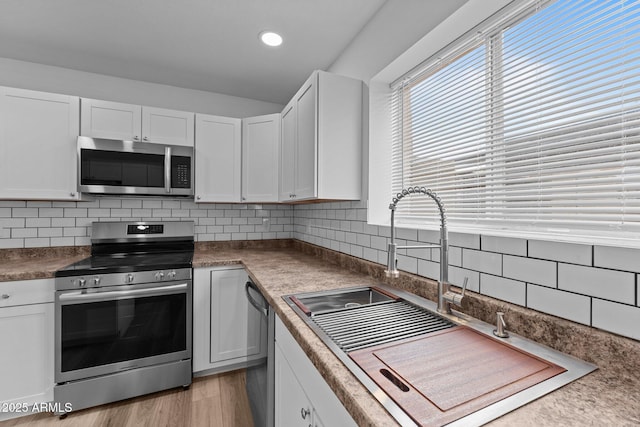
(127, 167)
(105, 330)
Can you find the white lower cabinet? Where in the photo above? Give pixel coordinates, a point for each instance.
(302, 396)
(228, 332)
(27, 342)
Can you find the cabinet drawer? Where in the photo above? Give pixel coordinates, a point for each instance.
(23, 292)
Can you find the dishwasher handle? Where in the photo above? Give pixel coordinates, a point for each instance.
(261, 308)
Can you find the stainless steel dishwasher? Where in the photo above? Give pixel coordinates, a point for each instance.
(261, 377)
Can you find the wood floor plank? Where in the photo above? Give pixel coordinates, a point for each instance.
(213, 401)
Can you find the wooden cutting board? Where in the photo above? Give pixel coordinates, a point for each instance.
(440, 377)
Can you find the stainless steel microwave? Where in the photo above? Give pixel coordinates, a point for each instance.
(107, 166)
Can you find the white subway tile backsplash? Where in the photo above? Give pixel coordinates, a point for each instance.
(62, 241)
(98, 212)
(132, 203)
(357, 227)
(529, 270)
(371, 255)
(571, 253)
(617, 258)
(408, 264)
(63, 222)
(429, 236)
(9, 243)
(499, 267)
(122, 213)
(75, 212)
(12, 204)
(363, 240)
(21, 233)
(617, 318)
(407, 234)
(428, 269)
(38, 204)
(49, 232)
(485, 262)
(24, 212)
(504, 289)
(51, 212)
(455, 255)
(161, 213)
(504, 245)
(600, 283)
(465, 240)
(378, 242)
(457, 276)
(37, 222)
(38, 242)
(559, 303)
(117, 203)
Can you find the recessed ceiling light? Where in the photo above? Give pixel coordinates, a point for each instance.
(270, 38)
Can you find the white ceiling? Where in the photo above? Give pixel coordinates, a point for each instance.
(208, 45)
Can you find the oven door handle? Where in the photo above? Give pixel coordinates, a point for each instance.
(80, 296)
(262, 309)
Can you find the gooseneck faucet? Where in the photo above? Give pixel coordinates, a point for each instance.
(446, 296)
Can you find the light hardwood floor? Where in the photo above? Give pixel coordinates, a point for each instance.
(215, 401)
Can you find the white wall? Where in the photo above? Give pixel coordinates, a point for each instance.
(393, 29)
(29, 75)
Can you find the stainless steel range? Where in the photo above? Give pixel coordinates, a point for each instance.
(123, 316)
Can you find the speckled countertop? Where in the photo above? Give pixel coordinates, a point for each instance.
(608, 396)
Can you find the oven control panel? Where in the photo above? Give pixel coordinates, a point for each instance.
(119, 279)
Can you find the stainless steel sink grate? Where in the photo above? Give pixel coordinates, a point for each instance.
(367, 326)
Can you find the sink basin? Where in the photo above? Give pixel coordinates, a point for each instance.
(320, 302)
(428, 368)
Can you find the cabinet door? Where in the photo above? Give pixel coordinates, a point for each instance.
(167, 126)
(38, 145)
(218, 154)
(325, 403)
(26, 359)
(231, 315)
(110, 120)
(201, 319)
(293, 408)
(260, 155)
(288, 153)
(306, 149)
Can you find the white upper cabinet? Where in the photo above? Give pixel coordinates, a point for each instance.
(111, 120)
(167, 126)
(260, 158)
(321, 147)
(287, 153)
(218, 157)
(114, 120)
(38, 139)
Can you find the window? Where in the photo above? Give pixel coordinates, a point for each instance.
(530, 122)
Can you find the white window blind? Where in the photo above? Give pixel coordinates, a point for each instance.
(529, 122)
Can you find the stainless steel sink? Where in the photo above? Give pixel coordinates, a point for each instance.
(353, 319)
(314, 303)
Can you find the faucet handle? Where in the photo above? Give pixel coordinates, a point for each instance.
(455, 297)
(464, 286)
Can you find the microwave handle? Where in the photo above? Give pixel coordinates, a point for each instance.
(167, 169)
